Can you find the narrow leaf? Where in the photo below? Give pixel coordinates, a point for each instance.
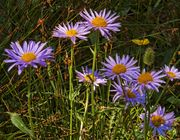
(18, 122)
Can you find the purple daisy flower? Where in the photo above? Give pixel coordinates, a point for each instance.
(159, 121)
(30, 54)
(102, 21)
(87, 77)
(132, 96)
(71, 31)
(149, 80)
(123, 67)
(172, 72)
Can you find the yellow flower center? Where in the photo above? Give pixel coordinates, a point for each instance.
(145, 78)
(71, 33)
(99, 22)
(157, 120)
(89, 78)
(119, 68)
(141, 42)
(171, 74)
(28, 57)
(130, 94)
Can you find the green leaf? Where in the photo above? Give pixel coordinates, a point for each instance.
(174, 101)
(18, 122)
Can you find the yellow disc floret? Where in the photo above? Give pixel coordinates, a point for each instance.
(99, 22)
(28, 57)
(71, 33)
(145, 78)
(89, 78)
(171, 74)
(157, 120)
(119, 68)
(130, 94)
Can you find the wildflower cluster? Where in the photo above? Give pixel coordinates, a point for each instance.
(132, 85)
(129, 83)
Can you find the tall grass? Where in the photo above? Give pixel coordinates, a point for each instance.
(60, 106)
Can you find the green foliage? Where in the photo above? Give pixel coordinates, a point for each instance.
(18, 122)
(21, 20)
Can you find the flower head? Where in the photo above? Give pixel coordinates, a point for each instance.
(129, 92)
(172, 72)
(71, 31)
(30, 54)
(87, 77)
(123, 67)
(141, 42)
(149, 80)
(102, 21)
(159, 121)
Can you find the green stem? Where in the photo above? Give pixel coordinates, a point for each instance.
(120, 82)
(71, 89)
(93, 69)
(147, 116)
(92, 87)
(85, 111)
(159, 97)
(29, 102)
(145, 120)
(108, 92)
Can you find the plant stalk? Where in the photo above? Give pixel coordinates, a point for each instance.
(29, 102)
(85, 111)
(71, 89)
(92, 86)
